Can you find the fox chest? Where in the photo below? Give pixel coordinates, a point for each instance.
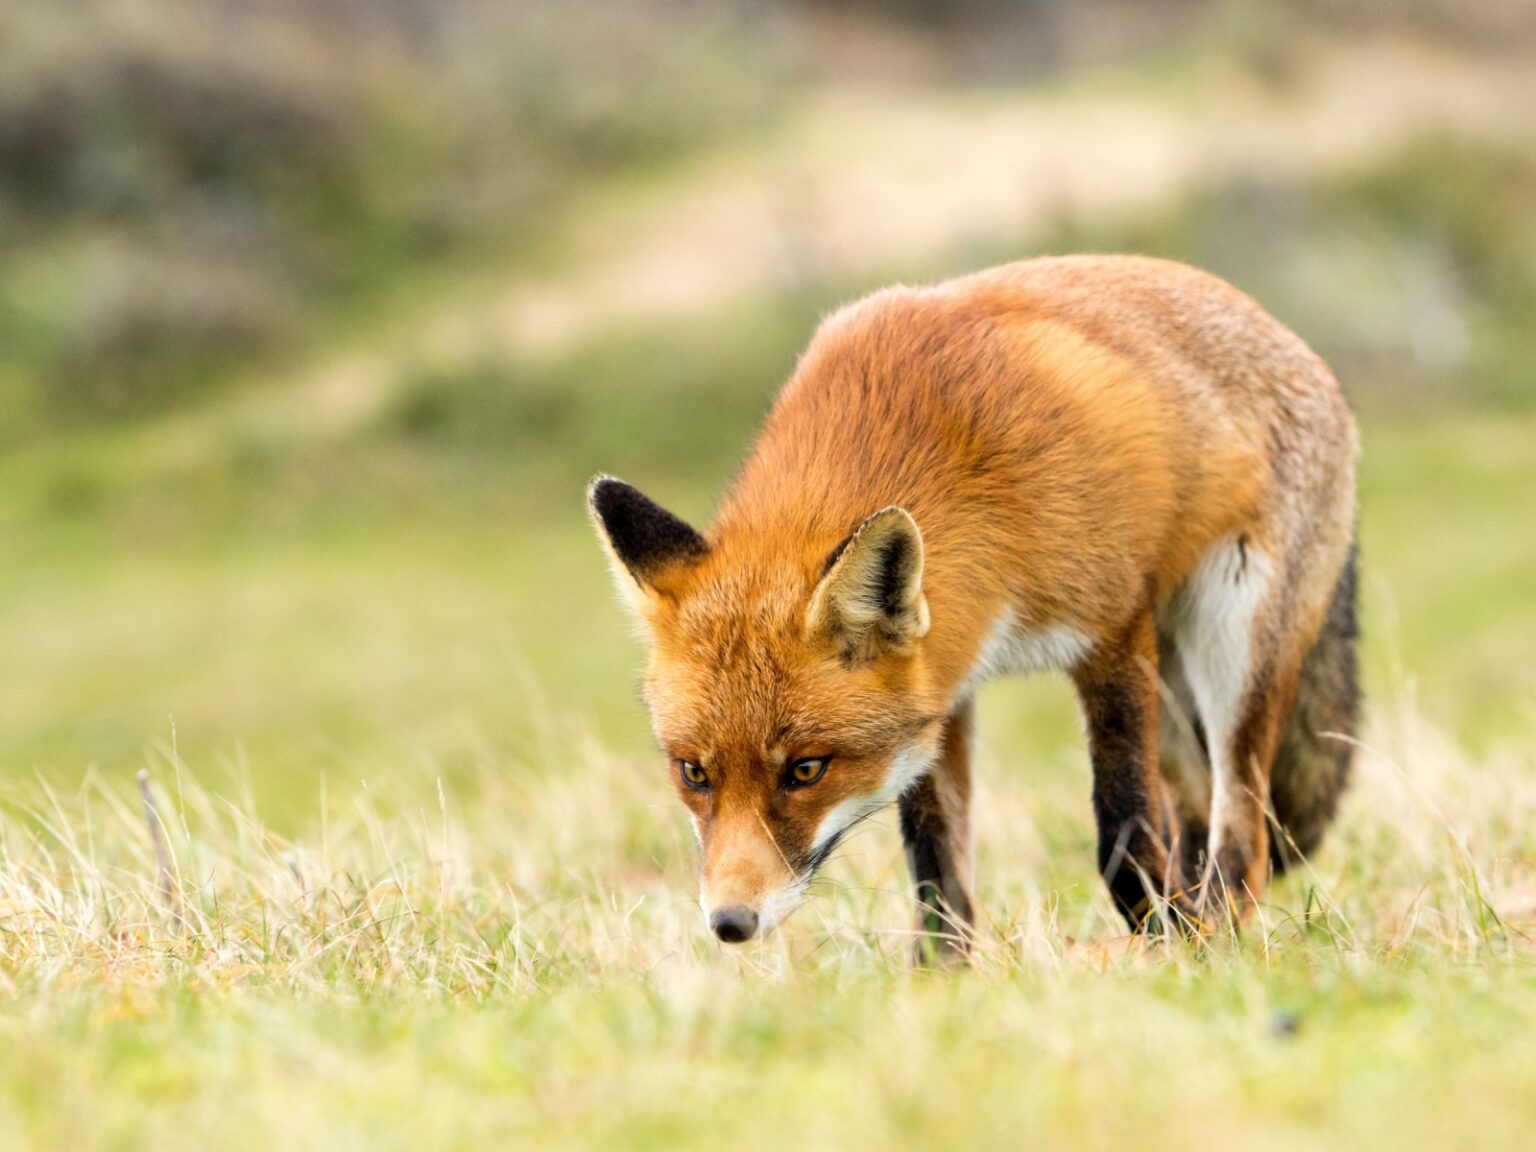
(1014, 649)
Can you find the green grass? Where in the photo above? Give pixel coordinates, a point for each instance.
(436, 893)
(427, 887)
(522, 960)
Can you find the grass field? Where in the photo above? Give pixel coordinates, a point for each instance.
(413, 878)
(519, 959)
(428, 887)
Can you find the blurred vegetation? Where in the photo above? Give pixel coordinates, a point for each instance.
(192, 188)
(312, 330)
(196, 194)
(424, 595)
(420, 592)
(1415, 278)
(189, 188)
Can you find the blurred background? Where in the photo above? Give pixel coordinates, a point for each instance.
(317, 315)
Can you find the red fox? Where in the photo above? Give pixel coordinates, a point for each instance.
(1115, 467)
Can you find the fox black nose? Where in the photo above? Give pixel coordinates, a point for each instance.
(733, 925)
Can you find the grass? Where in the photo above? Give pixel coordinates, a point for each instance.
(425, 887)
(521, 959)
(431, 889)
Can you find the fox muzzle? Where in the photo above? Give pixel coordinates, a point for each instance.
(734, 925)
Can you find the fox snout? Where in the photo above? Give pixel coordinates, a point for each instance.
(734, 925)
(746, 889)
(735, 920)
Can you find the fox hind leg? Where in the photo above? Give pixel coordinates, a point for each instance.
(1240, 835)
(1235, 647)
(1118, 687)
(1185, 765)
(936, 830)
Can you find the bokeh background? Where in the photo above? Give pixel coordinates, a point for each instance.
(317, 315)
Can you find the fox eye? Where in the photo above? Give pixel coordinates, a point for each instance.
(693, 776)
(803, 773)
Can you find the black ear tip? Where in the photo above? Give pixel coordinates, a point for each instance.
(605, 493)
(644, 534)
(610, 498)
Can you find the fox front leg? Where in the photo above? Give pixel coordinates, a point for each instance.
(936, 829)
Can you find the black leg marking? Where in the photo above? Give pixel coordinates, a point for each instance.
(935, 830)
(1121, 705)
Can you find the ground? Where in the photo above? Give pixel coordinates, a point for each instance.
(423, 883)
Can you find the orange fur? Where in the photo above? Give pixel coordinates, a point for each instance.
(1071, 438)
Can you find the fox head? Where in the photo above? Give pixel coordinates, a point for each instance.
(787, 688)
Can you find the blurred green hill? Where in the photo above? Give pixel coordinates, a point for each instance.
(191, 187)
(194, 191)
(316, 318)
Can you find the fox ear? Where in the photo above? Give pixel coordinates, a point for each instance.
(871, 599)
(643, 539)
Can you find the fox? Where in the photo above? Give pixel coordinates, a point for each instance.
(1117, 468)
